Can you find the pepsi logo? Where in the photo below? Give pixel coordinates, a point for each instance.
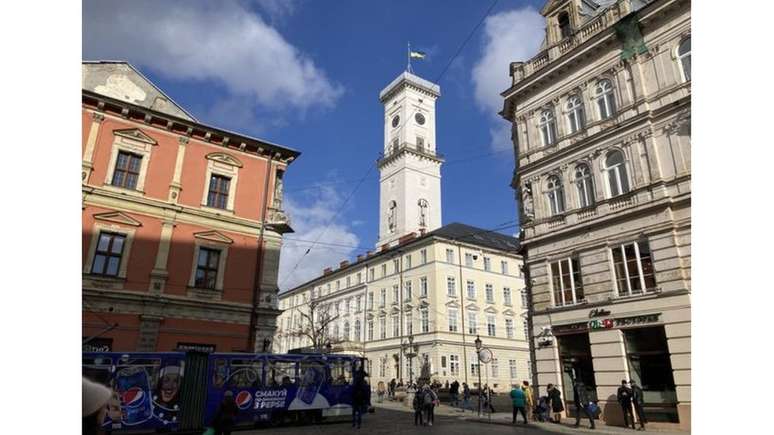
(132, 396)
(243, 399)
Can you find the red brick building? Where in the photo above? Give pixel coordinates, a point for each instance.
(182, 222)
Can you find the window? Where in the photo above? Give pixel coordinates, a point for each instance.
(684, 56)
(469, 260)
(383, 297)
(396, 265)
(449, 256)
(547, 127)
(384, 270)
(452, 320)
(507, 296)
(450, 286)
(357, 304)
(371, 300)
(576, 116)
(617, 179)
(107, 257)
(423, 287)
(454, 365)
(585, 186)
(509, 328)
(127, 170)
(338, 308)
(348, 305)
(633, 266)
(605, 98)
(475, 368)
(565, 30)
(349, 281)
(371, 274)
(395, 294)
(328, 288)
(207, 268)
(336, 331)
(472, 322)
(504, 267)
(525, 325)
(491, 326)
(382, 327)
(423, 256)
(359, 278)
(489, 291)
(555, 195)
(217, 196)
(395, 326)
(407, 286)
(424, 320)
(566, 279)
(370, 330)
(338, 284)
(524, 302)
(408, 262)
(512, 367)
(471, 290)
(487, 264)
(495, 368)
(409, 324)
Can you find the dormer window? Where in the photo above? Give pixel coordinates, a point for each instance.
(565, 30)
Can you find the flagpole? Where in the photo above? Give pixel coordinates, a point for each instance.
(408, 57)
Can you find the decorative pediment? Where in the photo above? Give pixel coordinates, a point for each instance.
(472, 307)
(394, 310)
(135, 134)
(369, 316)
(226, 159)
(117, 217)
(490, 310)
(213, 236)
(423, 304)
(452, 304)
(408, 306)
(509, 312)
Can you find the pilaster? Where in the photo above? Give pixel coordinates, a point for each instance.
(159, 274)
(88, 154)
(175, 187)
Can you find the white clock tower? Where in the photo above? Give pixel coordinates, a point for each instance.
(410, 168)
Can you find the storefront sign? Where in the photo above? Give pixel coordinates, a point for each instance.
(209, 348)
(623, 321)
(599, 312)
(570, 329)
(98, 345)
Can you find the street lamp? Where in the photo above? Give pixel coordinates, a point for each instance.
(412, 352)
(478, 355)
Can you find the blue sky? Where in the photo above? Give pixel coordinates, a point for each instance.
(307, 74)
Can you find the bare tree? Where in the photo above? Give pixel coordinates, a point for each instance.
(315, 322)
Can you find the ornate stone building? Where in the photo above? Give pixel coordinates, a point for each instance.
(428, 290)
(602, 133)
(182, 223)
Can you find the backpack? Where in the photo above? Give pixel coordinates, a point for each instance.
(428, 399)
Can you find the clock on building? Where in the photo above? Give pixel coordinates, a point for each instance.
(395, 121)
(420, 118)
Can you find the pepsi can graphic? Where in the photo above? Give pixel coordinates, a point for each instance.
(134, 390)
(310, 384)
(243, 399)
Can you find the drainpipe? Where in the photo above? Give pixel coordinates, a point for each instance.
(259, 260)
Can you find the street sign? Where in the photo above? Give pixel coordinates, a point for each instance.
(485, 355)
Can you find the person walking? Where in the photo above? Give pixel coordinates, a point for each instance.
(359, 402)
(625, 400)
(418, 405)
(557, 407)
(454, 391)
(466, 397)
(639, 403)
(429, 399)
(380, 390)
(581, 399)
(518, 401)
(391, 390)
(223, 421)
(529, 399)
(488, 393)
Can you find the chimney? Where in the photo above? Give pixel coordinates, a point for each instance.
(361, 257)
(369, 253)
(385, 247)
(327, 271)
(408, 237)
(343, 264)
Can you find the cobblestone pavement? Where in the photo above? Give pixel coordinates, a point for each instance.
(392, 418)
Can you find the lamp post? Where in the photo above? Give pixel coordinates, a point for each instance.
(412, 352)
(478, 355)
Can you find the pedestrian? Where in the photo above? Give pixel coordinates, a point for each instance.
(454, 391)
(360, 402)
(639, 403)
(581, 399)
(391, 390)
(488, 393)
(518, 401)
(625, 400)
(557, 407)
(466, 397)
(418, 404)
(380, 390)
(529, 398)
(223, 421)
(94, 406)
(429, 399)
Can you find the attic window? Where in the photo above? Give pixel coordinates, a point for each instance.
(564, 25)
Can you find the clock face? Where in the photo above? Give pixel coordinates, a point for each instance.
(395, 121)
(420, 118)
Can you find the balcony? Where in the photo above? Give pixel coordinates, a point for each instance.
(420, 151)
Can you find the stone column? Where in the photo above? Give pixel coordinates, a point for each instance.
(175, 187)
(88, 154)
(159, 274)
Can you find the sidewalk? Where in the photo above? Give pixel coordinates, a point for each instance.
(504, 418)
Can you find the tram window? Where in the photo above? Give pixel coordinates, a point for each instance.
(220, 374)
(281, 373)
(341, 372)
(313, 372)
(245, 374)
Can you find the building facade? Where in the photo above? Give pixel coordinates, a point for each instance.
(601, 129)
(428, 290)
(182, 223)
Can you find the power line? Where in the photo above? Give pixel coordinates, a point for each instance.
(466, 41)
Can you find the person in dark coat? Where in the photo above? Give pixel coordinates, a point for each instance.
(557, 406)
(223, 422)
(361, 397)
(418, 405)
(581, 399)
(625, 400)
(391, 389)
(639, 403)
(454, 391)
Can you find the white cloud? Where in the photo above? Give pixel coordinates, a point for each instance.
(222, 41)
(509, 36)
(309, 220)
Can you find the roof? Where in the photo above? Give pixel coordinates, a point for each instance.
(408, 78)
(454, 231)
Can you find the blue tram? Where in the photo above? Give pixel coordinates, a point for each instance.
(173, 391)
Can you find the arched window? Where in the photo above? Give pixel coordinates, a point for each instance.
(684, 55)
(346, 331)
(564, 25)
(548, 127)
(576, 117)
(336, 331)
(617, 180)
(555, 194)
(585, 185)
(357, 330)
(605, 99)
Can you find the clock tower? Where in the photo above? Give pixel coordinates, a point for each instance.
(410, 167)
